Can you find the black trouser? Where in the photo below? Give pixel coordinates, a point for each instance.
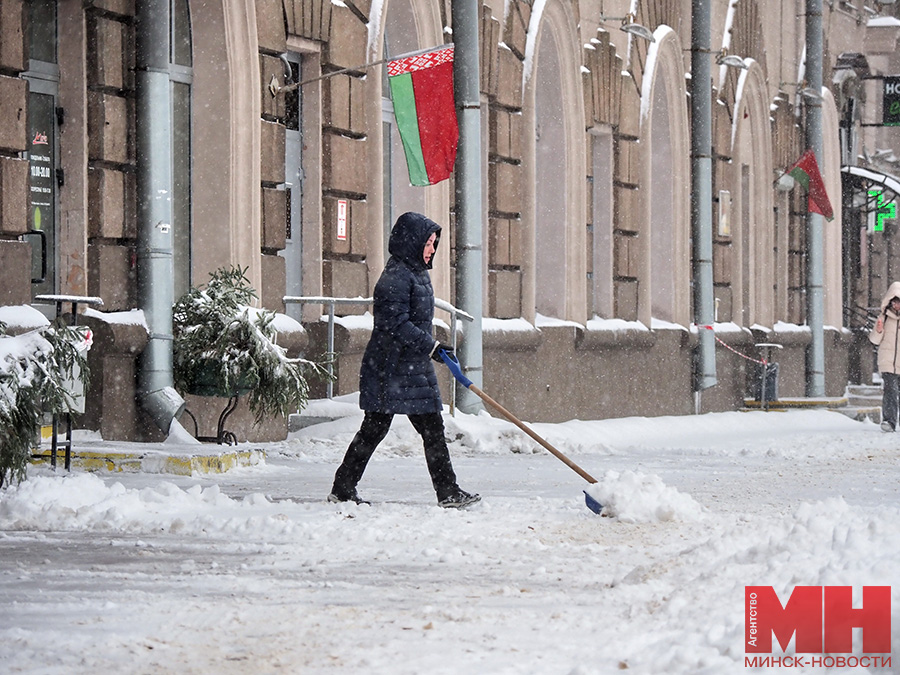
(373, 430)
(890, 400)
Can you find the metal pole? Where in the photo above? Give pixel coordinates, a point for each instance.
(154, 196)
(330, 386)
(815, 303)
(701, 194)
(466, 77)
(453, 322)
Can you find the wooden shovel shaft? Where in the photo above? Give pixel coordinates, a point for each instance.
(515, 420)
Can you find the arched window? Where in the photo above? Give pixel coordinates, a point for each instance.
(660, 193)
(550, 182)
(400, 37)
(753, 200)
(665, 183)
(409, 26)
(555, 153)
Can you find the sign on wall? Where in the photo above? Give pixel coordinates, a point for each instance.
(882, 210)
(891, 102)
(724, 228)
(42, 185)
(341, 229)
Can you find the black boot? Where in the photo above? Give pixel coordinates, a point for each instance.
(458, 500)
(352, 496)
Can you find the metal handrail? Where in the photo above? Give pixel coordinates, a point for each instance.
(330, 303)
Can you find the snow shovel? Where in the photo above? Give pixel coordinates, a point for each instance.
(453, 364)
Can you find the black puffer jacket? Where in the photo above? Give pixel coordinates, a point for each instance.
(397, 375)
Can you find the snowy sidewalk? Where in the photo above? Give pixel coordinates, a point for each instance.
(251, 571)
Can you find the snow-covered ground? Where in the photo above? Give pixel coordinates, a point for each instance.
(252, 571)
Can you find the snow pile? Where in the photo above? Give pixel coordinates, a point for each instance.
(86, 502)
(637, 498)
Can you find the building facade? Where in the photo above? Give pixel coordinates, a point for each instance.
(586, 183)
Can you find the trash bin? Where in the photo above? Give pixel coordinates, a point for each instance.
(766, 382)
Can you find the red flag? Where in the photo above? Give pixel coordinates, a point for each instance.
(806, 172)
(424, 107)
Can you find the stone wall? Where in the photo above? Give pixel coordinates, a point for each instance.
(15, 255)
(561, 372)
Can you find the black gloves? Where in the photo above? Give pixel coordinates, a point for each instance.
(436, 352)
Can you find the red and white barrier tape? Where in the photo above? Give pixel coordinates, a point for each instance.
(732, 349)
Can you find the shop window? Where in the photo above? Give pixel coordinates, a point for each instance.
(400, 37)
(43, 143)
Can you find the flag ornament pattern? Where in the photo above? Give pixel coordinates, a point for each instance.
(806, 172)
(424, 107)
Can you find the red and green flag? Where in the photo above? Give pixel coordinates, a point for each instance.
(425, 110)
(806, 172)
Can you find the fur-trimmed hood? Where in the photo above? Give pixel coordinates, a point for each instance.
(893, 291)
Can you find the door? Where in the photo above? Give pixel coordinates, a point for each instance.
(293, 186)
(43, 181)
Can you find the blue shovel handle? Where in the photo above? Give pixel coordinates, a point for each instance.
(453, 364)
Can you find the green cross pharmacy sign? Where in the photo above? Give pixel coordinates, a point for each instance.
(883, 209)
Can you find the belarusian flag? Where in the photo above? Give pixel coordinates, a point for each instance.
(425, 110)
(806, 172)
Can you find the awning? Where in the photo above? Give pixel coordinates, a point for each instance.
(892, 183)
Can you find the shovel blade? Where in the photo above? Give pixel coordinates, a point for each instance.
(592, 503)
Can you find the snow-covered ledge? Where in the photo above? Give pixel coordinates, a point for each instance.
(882, 35)
(119, 332)
(510, 334)
(21, 319)
(613, 333)
(351, 333)
(290, 334)
(788, 334)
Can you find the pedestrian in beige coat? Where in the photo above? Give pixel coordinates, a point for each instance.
(886, 335)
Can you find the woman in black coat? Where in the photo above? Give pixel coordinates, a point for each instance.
(397, 376)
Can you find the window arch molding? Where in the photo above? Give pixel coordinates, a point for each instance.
(753, 229)
(558, 19)
(665, 229)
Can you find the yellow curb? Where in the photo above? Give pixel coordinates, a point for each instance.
(798, 403)
(154, 461)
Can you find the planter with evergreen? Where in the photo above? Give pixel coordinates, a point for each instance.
(225, 347)
(41, 372)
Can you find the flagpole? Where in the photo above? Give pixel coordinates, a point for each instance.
(469, 293)
(275, 88)
(815, 296)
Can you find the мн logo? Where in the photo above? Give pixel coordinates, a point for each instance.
(821, 620)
